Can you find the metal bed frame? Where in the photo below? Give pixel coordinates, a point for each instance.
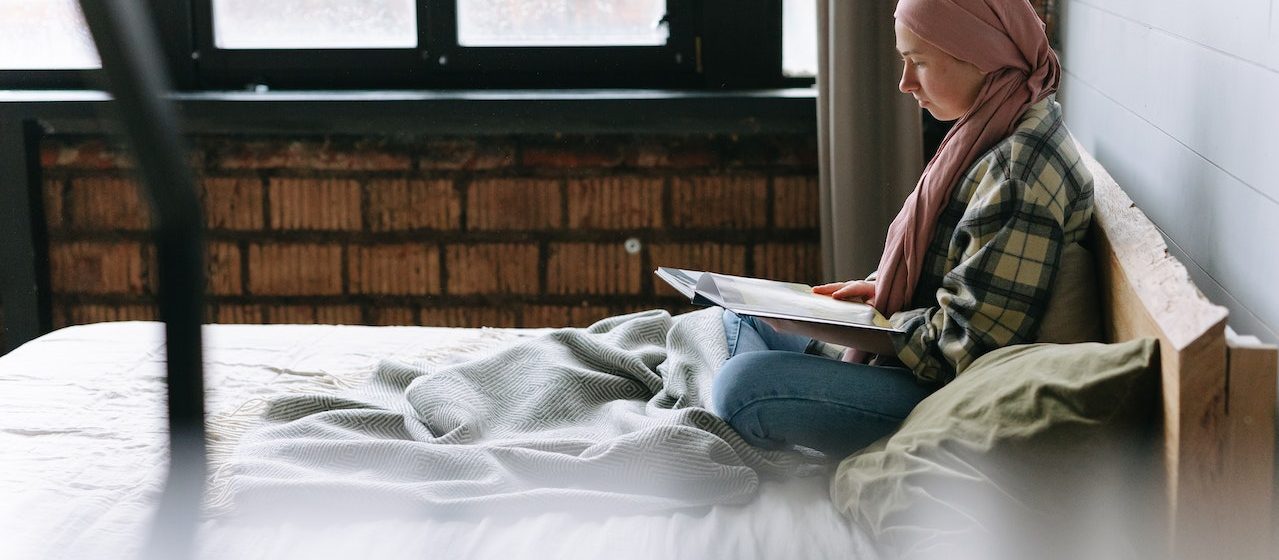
(138, 82)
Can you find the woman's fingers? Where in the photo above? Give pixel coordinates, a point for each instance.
(828, 289)
(859, 290)
(852, 290)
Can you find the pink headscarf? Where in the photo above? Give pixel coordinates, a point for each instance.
(1006, 40)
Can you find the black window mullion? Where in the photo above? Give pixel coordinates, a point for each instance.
(172, 19)
(202, 25)
(742, 43)
(441, 30)
(209, 64)
(683, 23)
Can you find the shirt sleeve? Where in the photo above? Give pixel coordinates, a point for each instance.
(1006, 247)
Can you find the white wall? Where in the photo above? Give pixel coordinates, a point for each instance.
(1179, 100)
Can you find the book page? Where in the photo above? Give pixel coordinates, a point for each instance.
(792, 301)
(685, 281)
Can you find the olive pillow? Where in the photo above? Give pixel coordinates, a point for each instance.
(1035, 451)
(1073, 313)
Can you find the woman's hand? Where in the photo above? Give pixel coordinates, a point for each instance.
(852, 290)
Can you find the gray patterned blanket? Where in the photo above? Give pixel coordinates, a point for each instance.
(608, 418)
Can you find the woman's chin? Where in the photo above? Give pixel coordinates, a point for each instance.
(939, 115)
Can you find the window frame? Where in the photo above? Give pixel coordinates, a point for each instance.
(712, 44)
(439, 62)
(669, 65)
(48, 79)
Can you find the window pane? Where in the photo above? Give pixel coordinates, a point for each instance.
(799, 38)
(45, 35)
(529, 23)
(314, 24)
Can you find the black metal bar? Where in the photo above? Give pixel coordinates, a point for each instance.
(24, 284)
(137, 75)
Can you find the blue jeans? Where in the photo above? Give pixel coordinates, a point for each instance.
(777, 396)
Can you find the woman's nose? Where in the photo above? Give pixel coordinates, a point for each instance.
(908, 83)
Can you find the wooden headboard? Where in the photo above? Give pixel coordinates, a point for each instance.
(1218, 391)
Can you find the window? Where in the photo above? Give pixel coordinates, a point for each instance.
(799, 38)
(45, 35)
(314, 24)
(428, 44)
(558, 23)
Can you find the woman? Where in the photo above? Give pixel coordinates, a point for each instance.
(969, 261)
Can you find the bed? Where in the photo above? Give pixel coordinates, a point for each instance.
(83, 437)
(84, 445)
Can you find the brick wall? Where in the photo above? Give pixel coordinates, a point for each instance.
(460, 231)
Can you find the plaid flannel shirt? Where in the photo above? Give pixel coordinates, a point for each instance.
(987, 275)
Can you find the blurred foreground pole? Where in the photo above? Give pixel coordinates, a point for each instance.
(137, 80)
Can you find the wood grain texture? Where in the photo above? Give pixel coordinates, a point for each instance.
(1250, 446)
(1211, 455)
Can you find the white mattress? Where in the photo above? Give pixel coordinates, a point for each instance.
(83, 453)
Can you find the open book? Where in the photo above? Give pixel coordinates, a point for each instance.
(770, 298)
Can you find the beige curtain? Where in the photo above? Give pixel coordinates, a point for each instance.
(869, 134)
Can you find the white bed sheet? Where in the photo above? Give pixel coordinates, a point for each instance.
(83, 453)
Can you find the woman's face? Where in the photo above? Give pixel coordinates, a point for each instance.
(941, 83)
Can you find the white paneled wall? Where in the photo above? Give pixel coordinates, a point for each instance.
(1272, 53)
(1179, 99)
